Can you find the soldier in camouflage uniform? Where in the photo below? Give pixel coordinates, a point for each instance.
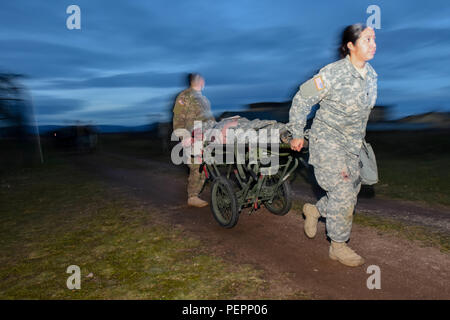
(191, 105)
(346, 90)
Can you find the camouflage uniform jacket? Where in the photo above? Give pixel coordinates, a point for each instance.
(346, 99)
(190, 106)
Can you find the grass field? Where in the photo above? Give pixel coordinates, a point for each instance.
(413, 165)
(56, 216)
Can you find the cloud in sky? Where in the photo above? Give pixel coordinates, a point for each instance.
(48, 105)
(130, 59)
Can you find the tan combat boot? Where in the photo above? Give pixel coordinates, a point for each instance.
(312, 216)
(344, 254)
(197, 202)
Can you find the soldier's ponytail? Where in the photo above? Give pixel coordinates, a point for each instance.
(350, 34)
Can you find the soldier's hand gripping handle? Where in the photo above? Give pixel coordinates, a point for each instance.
(297, 144)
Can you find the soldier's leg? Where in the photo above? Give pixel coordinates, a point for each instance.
(326, 170)
(195, 181)
(327, 180)
(322, 204)
(313, 212)
(340, 207)
(340, 199)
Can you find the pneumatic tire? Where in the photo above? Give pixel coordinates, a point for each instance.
(224, 203)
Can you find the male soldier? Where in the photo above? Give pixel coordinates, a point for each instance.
(191, 105)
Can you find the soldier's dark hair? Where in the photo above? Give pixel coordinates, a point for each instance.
(194, 77)
(350, 34)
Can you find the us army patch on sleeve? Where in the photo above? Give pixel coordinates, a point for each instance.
(312, 87)
(319, 83)
(181, 101)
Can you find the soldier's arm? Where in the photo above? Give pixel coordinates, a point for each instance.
(179, 113)
(178, 120)
(310, 93)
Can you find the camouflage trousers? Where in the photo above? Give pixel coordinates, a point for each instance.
(342, 187)
(195, 181)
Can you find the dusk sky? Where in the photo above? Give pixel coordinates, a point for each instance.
(130, 58)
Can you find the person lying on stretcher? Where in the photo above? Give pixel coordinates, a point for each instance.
(197, 132)
(216, 132)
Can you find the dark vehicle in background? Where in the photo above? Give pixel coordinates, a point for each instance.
(76, 138)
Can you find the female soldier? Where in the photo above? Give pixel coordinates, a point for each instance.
(346, 90)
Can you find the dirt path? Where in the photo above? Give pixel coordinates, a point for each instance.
(277, 245)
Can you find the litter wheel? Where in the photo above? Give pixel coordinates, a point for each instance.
(282, 201)
(224, 203)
